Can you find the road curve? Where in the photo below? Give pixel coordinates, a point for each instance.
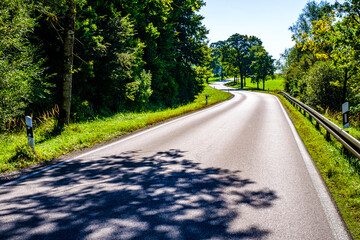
(232, 171)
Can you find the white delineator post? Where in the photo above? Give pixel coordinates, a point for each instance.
(29, 131)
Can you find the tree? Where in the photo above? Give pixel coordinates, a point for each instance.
(216, 55)
(262, 66)
(125, 55)
(68, 59)
(331, 41)
(298, 61)
(20, 81)
(313, 11)
(175, 41)
(322, 88)
(237, 53)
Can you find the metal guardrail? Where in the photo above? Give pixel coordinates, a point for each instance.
(349, 142)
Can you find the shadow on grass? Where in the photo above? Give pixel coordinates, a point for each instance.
(128, 196)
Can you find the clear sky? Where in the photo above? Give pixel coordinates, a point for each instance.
(268, 20)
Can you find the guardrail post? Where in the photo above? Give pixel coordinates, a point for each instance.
(317, 126)
(327, 137)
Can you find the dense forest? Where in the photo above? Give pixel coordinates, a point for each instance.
(322, 69)
(99, 56)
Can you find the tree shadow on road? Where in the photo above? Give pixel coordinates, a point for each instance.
(163, 196)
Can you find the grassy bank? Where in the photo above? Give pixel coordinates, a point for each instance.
(270, 85)
(15, 154)
(341, 172)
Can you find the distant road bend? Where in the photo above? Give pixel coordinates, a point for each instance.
(235, 170)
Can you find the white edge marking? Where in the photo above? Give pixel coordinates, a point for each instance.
(335, 221)
(112, 144)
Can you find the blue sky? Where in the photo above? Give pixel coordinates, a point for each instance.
(268, 20)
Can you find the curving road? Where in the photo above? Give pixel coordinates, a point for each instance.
(235, 170)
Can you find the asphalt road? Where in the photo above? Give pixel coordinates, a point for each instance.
(232, 171)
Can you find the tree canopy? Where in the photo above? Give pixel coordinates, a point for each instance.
(99, 56)
(323, 67)
(244, 56)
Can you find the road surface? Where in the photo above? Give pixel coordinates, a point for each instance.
(233, 171)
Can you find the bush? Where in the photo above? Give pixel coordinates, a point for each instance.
(323, 86)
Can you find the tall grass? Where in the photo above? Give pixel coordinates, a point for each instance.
(49, 144)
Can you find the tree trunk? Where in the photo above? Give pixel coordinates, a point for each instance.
(68, 46)
(346, 79)
(264, 84)
(242, 81)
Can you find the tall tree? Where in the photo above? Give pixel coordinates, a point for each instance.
(68, 59)
(237, 53)
(313, 11)
(217, 58)
(262, 65)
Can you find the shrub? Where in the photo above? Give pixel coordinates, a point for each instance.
(323, 86)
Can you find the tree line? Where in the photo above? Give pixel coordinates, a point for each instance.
(243, 57)
(323, 66)
(97, 57)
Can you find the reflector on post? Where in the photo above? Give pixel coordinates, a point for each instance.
(29, 132)
(345, 112)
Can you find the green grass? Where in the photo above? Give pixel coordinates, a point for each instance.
(340, 172)
(214, 79)
(337, 118)
(15, 154)
(270, 85)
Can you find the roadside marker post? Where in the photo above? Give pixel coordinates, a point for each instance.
(206, 95)
(29, 132)
(345, 112)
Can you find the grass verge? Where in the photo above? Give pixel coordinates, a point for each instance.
(340, 172)
(15, 154)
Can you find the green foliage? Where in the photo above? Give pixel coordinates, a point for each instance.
(243, 56)
(128, 55)
(139, 91)
(322, 86)
(20, 82)
(262, 65)
(313, 11)
(321, 36)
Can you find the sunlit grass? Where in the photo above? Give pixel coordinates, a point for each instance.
(270, 85)
(48, 144)
(214, 79)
